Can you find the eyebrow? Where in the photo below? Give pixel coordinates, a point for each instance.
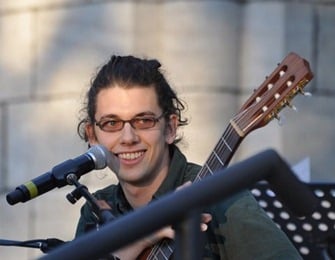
(146, 113)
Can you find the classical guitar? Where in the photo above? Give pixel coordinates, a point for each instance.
(276, 92)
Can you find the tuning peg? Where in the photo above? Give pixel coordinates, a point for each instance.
(293, 107)
(306, 94)
(281, 119)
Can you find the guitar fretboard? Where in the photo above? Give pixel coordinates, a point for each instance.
(222, 153)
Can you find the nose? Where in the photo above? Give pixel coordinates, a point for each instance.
(128, 134)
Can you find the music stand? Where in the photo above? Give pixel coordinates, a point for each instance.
(314, 235)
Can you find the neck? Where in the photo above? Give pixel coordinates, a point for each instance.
(137, 196)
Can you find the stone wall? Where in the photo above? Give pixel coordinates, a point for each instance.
(214, 53)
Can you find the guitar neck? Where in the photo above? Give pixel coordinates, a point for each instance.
(222, 153)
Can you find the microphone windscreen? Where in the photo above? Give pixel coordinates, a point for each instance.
(100, 155)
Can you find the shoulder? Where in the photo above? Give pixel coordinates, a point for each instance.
(236, 202)
(192, 170)
(239, 220)
(180, 164)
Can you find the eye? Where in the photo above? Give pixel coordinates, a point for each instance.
(110, 123)
(144, 121)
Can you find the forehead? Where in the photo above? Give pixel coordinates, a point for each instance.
(126, 102)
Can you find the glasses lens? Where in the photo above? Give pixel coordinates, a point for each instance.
(143, 123)
(111, 125)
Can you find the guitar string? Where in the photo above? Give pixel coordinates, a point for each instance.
(163, 249)
(210, 163)
(225, 146)
(213, 163)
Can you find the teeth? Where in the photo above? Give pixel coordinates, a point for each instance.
(130, 156)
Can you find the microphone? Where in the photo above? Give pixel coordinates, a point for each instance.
(97, 157)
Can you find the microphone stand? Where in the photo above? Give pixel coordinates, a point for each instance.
(100, 209)
(45, 245)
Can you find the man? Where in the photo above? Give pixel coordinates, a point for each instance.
(132, 110)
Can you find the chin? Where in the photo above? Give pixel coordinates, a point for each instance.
(138, 182)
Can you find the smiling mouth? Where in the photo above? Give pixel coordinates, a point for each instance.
(130, 156)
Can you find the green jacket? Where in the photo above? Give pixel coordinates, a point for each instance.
(240, 229)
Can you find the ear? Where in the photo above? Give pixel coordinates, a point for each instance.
(171, 129)
(90, 133)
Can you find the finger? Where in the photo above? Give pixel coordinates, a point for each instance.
(186, 184)
(166, 232)
(206, 217)
(203, 227)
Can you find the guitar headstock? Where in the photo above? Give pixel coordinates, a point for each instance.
(276, 92)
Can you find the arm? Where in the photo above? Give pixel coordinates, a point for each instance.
(248, 231)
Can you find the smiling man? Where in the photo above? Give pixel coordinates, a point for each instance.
(130, 124)
(132, 110)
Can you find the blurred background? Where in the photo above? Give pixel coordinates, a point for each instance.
(214, 53)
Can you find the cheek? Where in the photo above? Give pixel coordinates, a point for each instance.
(99, 137)
(106, 139)
(155, 138)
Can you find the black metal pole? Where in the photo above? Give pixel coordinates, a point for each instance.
(188, 237)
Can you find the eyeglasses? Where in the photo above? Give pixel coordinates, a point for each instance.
(140, 122)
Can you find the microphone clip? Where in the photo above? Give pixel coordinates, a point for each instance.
(100, 208)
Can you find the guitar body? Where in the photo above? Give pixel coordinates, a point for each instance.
(278, 89)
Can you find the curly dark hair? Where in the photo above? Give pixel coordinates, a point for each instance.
(129, 71)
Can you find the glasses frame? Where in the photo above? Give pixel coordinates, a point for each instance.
(131, 122)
